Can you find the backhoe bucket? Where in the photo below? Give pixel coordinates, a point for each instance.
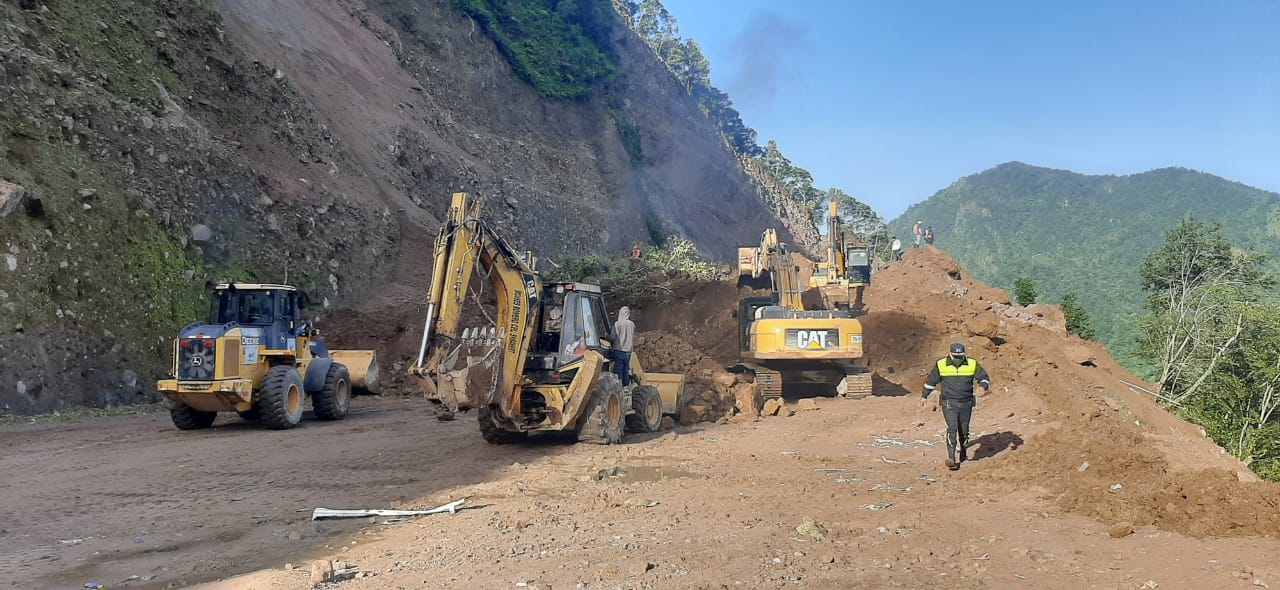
(363, 367)
(468, 375)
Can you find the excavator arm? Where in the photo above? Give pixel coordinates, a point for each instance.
(772, 258)
(453, 365)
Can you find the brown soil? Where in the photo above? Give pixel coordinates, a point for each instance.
(1076, 480)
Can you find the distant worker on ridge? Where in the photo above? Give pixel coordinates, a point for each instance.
(956, 374)
(915, 230)
(625, 330)
(896, 246)
(928, 235)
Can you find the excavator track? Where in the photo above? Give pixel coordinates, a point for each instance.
(857, 383)
(770, 383)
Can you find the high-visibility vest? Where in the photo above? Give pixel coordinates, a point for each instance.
(968, 369)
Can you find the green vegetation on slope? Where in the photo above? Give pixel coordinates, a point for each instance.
(1087, 234)
(1213, 332)
(560, 47)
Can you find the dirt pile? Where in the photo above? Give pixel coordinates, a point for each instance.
(1108, 451)
(1111, 452)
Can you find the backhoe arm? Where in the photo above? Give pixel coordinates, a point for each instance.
(453, 368)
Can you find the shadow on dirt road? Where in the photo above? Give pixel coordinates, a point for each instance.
(105, 500)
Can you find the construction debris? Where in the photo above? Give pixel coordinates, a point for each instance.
(324, 513)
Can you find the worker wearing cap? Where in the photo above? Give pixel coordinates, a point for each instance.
(956, 373)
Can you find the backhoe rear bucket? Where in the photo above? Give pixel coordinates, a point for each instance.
(363, 366)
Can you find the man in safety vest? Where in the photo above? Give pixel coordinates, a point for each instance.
(956, 374)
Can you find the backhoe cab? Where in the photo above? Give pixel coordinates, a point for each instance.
(257, 357)
(544, 363)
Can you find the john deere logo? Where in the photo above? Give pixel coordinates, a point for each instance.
(812, 339)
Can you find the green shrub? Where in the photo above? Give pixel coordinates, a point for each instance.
(1024, 291)
(560, 47)
(627, 281)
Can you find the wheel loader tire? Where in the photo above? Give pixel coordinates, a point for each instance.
(646, 402)
(603, 420)
(250, 415)
(492, 433)
(282, 398)
(332, 402)
(188, 418)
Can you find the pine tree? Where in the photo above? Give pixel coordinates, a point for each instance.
(1077, 318)
(1024, 291)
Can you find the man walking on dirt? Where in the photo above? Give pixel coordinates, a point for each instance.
(917, 232)
(896, 247)
(625, 330)
(956, 373)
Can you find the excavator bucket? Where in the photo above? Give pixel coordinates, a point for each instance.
(363, 367)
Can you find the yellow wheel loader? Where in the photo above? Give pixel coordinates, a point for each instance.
(784, 345)
(257, 357)
(544, 363)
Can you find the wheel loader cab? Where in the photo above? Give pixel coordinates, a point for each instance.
(273, 312)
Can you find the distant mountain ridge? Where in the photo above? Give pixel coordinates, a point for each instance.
(1086, 233)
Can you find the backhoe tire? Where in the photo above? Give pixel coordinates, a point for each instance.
(604, 419)
(188, 418)
(282, 398)
(646, 402)
(250, 415)
(492, 433)
(333, 401)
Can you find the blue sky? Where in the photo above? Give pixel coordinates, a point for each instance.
(892, 100)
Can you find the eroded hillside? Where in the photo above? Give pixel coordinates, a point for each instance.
(156, 146)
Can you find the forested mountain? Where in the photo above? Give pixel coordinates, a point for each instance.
(1071, 232)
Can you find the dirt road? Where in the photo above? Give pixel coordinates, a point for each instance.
(106, 500)
(726, 506)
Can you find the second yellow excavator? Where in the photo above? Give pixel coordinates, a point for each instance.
(544, 362)
(782, 343)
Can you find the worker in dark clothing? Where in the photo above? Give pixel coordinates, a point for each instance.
(956, 374)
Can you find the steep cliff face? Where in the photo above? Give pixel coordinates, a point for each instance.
(162, 144)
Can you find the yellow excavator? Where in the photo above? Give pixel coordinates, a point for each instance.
(543, 363)
(781, 343)
(848, 262)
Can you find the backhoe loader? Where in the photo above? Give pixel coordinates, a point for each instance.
(781, 343)
(543, 363)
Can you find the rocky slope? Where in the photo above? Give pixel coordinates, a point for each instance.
(153, 146)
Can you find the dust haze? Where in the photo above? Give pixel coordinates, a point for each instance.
(758, 56)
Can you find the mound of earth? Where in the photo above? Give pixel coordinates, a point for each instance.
(1107, 450)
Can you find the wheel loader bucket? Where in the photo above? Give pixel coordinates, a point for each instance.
(363, 366)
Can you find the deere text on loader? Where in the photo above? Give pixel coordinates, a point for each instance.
(256, 357)
(785, 345)
(543, 363)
